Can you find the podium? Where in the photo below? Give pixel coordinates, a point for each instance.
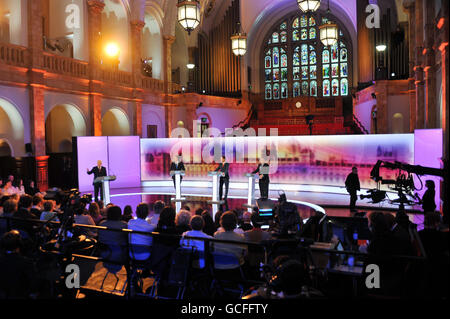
(215, 192)
(178, 199)
(105, 186)
(251, 191)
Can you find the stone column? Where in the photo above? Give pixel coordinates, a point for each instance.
(382, 111)
(410, 10)
(167, 63)
(418, 68)
(430, 69)
(95, 8)
(136, 49)
(137, 121)
(445, 189)
(35, 33)
(95, 109)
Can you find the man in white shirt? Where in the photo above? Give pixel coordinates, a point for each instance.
(197, 223)
(140, 245)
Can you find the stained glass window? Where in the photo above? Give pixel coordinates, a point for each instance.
(297, 64)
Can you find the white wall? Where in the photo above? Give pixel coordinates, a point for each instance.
(398, 104)
(116, 28)
(153, 115)
(363, 112)
(58, 28)
(18, 20)
(152, 45)
(180, 54)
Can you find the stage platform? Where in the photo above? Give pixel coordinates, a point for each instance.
(320, 198)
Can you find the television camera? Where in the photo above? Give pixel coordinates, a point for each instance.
(403, 184)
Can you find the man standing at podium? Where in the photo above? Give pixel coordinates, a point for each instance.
(263, 171)
(177, 165)
(98, 171)
(224, 177)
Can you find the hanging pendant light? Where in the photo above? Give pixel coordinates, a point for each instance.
(328, 32)
(189, 14)
(239, 42)
(308, 5)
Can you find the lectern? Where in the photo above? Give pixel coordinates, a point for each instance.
(251, 191)
(215, 192)
(105, 186)
(178, 199)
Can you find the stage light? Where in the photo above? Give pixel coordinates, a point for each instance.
(381, 47)
(190, 66)
(112, 50)
(308, 5)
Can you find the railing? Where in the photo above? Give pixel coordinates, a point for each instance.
(152, 84)
(67, 66)
(116, 76)
(13, 54)
(360, 125)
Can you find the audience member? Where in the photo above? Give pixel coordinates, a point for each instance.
(49, 213)
(256, 234)
(127, 214)
(197, 224)
(94, 212)
(81, 217)
(17, 273)
(23, 213)
(210, 227)
(157, 208)
(140, 245)
(31, 189)
(246, 225)
(115, 241)
(228, 222)
(182, 221)
(38, 203)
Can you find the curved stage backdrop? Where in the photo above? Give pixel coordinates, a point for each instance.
(297, 160)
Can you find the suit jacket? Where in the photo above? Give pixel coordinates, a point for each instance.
(352, 182)
(265, 177)
(97, 172)
(224, 169)
(177, 167)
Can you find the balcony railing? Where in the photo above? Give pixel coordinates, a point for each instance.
(66, 66)
(14, 54)
(152, 84)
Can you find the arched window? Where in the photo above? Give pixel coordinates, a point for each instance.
(296, 63)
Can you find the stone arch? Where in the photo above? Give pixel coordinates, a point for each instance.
(152, 42)
(397, 123)
(5, 148)
(12, 127)
(62, 123)
(115, 122)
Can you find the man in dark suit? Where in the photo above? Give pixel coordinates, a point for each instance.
(98, 171)
(263, 179)
(352, 185)
(224, 177)
(177, 165)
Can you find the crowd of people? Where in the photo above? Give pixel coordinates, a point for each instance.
(390, 236)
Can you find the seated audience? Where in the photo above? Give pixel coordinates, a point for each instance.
(182, 221)
(256, 234)
(197, 224)
(38, 203)
(49, 213)
(127, 214)
(82, 217)
(432, 237)
(228, 222)
(140, 245)
(23, 212)
(246, 218)
(9, 209)
(31, 189)
(94, 212)
(17, 273)
(210, 227)
(157, 208)
(114, 242)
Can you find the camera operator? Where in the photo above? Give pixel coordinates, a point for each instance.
(287, 219)
(287, 279)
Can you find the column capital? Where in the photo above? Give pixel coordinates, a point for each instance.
(169, 39)
(443, 47)
(95, 6)
(137, 25)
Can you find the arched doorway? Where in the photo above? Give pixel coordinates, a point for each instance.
(397, 123)
(115, 123)
(12, 128)
(5, 148)
(62, 123)
(152, 45)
